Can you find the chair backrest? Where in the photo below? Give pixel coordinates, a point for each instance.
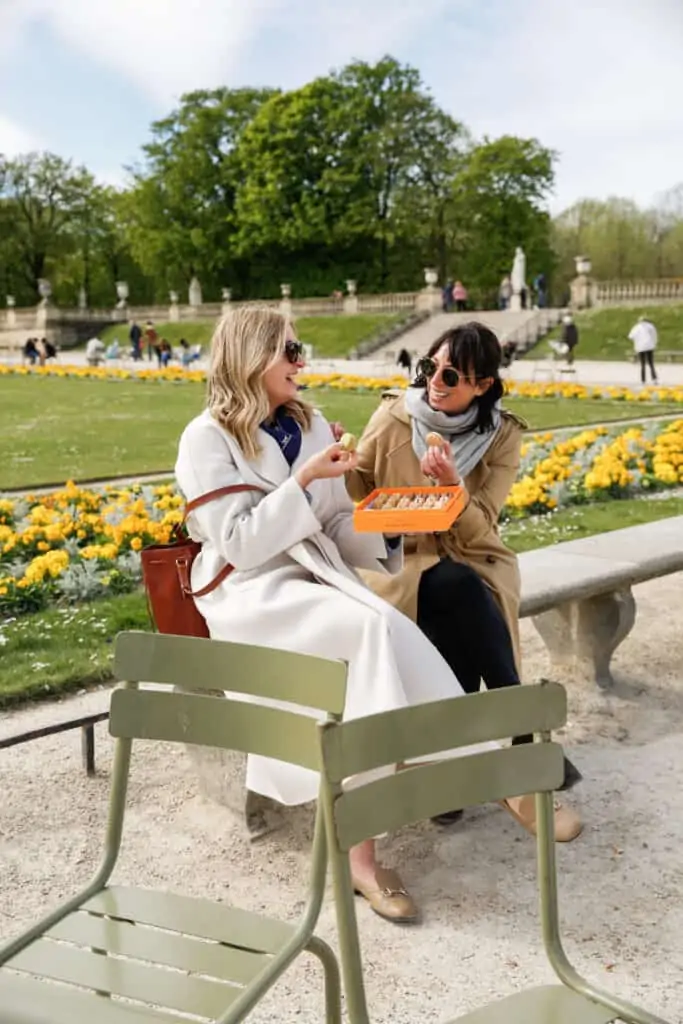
(435, 785)
(207, 668)
(430, 787)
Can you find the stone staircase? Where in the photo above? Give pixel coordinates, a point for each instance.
(524, 327)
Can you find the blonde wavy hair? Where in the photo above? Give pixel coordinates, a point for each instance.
(245, 343)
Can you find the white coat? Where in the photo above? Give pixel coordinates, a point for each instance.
(643, 336)
(293, 587)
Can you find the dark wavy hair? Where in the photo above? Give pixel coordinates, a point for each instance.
(473, 349)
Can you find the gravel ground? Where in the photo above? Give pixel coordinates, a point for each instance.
(621, 882)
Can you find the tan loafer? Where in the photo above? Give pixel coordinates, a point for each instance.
(568, 824)
(389, 898)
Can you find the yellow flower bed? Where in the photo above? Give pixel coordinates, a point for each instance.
(595, 465)
(349, 382)
(76, 543)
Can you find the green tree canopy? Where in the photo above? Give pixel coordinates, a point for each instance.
(180, 212)
(42, 203)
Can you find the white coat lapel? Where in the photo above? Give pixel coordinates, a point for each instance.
(269, 469)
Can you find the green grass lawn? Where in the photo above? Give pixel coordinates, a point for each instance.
(65, 649)
(329, 335)
(54, 429)
(603, 333)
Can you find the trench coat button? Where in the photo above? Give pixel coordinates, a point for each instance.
(491, 559)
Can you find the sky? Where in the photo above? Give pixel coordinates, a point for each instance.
(599, 81)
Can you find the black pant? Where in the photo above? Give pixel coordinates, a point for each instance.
(458, 613)
(460, 305)
(647, 359)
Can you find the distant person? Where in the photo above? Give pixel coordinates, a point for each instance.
(569, 336)
(569, 339)
(404, 361)
(41, 349)
(541, 291)
(135, 335)
(644, 338)
(94, 352)
(447, 297)
(190, 353)
(151, 340)
(30, 351)
(460, 296)
(505, 292)
(164, 353)
(509, 349)
(50, 349)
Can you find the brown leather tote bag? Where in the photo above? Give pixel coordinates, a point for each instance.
(166, 573)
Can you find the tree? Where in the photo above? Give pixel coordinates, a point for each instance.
(499, 200)
(43, 198)
(328, 171)
(101, 254)
(404, 144)
(180, 214)
(620, 239)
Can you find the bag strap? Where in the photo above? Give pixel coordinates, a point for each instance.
(184, 566)
(204, 499)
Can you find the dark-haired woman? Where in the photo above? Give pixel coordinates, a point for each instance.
(461, 587)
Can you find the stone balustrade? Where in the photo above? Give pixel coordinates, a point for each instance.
(626, 293)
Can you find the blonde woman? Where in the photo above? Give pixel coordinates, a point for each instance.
(295, 552)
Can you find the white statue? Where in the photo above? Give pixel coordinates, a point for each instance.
(195, 293)
(518, 278)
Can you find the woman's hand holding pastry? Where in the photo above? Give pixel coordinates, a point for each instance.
(438, 463)
(329, 463)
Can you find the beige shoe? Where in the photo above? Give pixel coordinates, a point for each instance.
(568, 824)
(389, 898)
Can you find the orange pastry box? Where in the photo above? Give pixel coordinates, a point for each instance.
(409, 510)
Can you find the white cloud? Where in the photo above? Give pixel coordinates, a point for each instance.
(164, 46)
(14, 139)
(601, 83)
(167, 47)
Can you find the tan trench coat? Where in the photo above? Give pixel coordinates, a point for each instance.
(387, 459)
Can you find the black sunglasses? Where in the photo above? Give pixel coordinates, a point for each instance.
(451, 377)
(427, 367)
(294, 351)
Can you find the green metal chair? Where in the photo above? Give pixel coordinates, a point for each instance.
(158, 957)
(428, 789)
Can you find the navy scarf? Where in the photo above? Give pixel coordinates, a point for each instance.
(287, 432)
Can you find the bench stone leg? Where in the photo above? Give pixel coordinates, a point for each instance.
(221, 778)
(582, 636)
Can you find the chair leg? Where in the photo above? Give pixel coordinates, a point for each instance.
(328, 960)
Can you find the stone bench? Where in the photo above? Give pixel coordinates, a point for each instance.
(579, 595)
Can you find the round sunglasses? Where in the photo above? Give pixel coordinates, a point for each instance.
(428, 368)
(294, 351)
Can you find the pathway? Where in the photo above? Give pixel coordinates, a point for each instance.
(621, 885)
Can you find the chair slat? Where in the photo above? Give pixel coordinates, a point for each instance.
(213, 959)
(242, 668)
(167, 989)
(25, 1000)
(198, 917)
(422, 792)
(213, 722)
(409, 733)
(548, 1003)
